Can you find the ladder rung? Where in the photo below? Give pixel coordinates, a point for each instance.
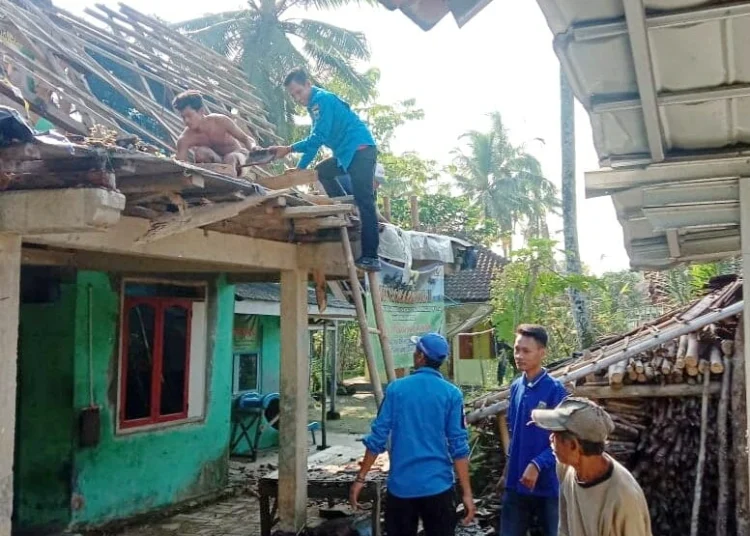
(374, 331)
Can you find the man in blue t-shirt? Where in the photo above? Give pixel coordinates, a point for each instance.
(531, 488)
(423, 416)
(338, 127)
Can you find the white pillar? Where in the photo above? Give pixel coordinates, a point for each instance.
(745, 238)
(10, 277)
(294, 401)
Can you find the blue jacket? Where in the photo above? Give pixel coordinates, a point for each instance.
(423, 415)
(334, 125)
(529, 444)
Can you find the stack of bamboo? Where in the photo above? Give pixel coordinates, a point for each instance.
(683, 360)
(663, 456)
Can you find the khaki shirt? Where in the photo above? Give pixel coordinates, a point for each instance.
(613, 506)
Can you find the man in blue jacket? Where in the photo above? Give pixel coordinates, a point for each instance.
(423, 416)
(338, 127)
(531, 488)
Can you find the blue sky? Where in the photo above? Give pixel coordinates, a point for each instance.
(502, 60)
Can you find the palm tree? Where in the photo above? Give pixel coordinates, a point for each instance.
(578, 302)
(506, 181)
(267, 43)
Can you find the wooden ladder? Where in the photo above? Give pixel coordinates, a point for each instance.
(365, 330)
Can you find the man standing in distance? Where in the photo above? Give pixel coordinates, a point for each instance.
(423, 415)
(598, 496)
(337, 126)
(532, 487)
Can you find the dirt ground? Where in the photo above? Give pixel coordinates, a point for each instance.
(238, 513)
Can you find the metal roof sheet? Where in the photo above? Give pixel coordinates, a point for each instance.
(666, 84)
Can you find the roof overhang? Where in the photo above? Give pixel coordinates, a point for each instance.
(427, 13)
(667, 87)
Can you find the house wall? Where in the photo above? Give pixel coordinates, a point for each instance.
(59, 482)
(270, 372)
(479, 368)
(46, 420)
(131, 473)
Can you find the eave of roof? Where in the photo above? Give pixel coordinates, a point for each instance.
(667, 89)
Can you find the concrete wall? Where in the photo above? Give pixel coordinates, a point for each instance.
(481, 368)
(137, 472)
(270, 354)
(46, 421)
(270, 372)
(125, 474)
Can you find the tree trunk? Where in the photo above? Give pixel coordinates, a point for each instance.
(570, 225)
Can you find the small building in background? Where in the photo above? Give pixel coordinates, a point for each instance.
(468, 311)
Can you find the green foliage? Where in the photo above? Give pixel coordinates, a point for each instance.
(506, 181)
(267, 43)
(532, 289)
(450, 215)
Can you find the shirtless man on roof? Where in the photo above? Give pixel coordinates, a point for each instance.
(209, 138)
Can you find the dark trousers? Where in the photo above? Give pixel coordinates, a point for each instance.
(437, 512)
(362, 173)
(519, 512)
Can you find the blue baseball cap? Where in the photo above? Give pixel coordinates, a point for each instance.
(433, 346)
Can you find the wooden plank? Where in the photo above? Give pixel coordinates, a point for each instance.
(10, 278)
(292, 495)
(195, 217)
(289, 179)
(315, 199)
(169, 183)
(194, 245)
(316, 211)
(224, 169)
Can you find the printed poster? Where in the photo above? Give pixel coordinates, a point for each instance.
(412, 305)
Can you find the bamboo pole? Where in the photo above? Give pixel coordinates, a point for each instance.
(688, 326)
(362, 318)
(701, 459)
(385, 343)
(723, 431)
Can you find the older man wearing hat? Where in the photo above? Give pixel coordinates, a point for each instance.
(422, 416)
(598, 496)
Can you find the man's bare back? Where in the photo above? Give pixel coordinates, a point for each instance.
(210, 138)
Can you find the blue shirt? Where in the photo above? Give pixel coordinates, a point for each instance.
(423, 415)
(528, 443)
(335, 125)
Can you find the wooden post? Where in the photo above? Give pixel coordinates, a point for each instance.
(10, 277)
(502, 429)
(364, 329)
(385, 344)
(745, 248)
(387, 207)
(292, 498)
(739, 437)
(414, 212)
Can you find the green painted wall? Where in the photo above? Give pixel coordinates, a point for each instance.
(270, 368)
(129, 474)
(270, 371)
(46, 421)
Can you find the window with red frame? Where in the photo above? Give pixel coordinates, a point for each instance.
(155, 373)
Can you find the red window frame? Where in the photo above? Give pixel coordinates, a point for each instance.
(466, 347)
(160, 305)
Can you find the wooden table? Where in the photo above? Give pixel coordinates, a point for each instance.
(330, 474)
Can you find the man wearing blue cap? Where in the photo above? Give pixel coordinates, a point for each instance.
(423, 416)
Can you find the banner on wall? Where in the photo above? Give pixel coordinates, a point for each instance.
(412, 305)
(246, 333)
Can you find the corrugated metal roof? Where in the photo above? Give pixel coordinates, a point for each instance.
(667, 86)
(427, 13)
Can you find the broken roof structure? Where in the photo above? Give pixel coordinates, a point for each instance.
(116, 69)
(427, 13)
